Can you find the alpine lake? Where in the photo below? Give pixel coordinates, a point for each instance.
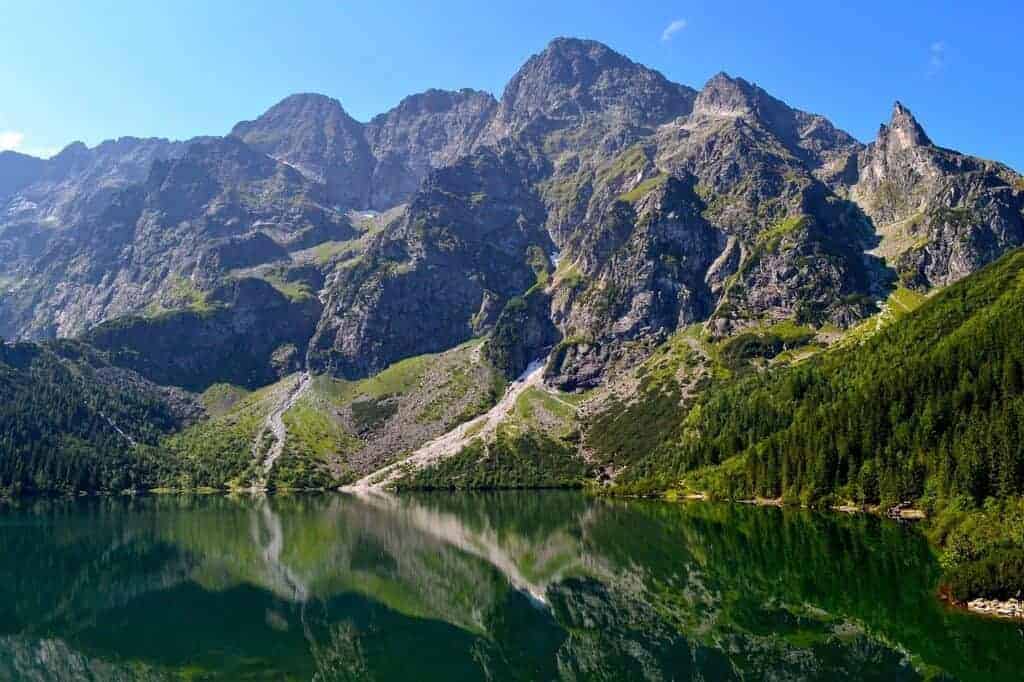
(475, 586)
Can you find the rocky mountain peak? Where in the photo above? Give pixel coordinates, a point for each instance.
(425, 131)
(72, 157)
(435, 101)
(314, 134)
(903, 131)
(18, 170)
(579, 51)
(300, 106)
(573, 78)
(724, 95)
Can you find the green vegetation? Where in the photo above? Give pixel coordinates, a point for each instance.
(220, 398)
(294, 471)
(643, 189)
(534, 447)
(522, 330)
(512, 460)
(294, 290)
(983, 546)
(627, 432)
(629, 164)
(456, 385)
(217, 452)
(312, 434)
(399, 378)
(64, 428)
(925, 398)
(764, 342)
(929, 408)
(325, 252)
(772, 237)
(568, 275)
(369, 413)
(182, 294)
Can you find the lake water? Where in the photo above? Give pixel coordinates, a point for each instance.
(502, 586)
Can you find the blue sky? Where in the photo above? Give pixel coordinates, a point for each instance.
(92, 71)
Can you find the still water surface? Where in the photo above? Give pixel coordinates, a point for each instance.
(502, 586)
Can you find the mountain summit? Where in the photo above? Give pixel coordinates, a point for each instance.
(903, 130)
(574, 79)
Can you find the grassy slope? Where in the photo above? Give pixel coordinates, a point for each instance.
(536, 446)
(333, 426)
(217, 452)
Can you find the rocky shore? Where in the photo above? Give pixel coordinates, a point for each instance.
(1010, 608)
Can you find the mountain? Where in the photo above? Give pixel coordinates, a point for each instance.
(940, 214)
(167, 242)
(429, 130)
(314, 135)
(538, 289)
(375, 165)
(575, 81)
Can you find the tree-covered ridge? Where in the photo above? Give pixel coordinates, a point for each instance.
(931, 406)
(68, 421)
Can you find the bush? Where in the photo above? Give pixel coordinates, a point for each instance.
(998, 576)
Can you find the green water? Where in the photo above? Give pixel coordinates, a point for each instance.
(527, 586)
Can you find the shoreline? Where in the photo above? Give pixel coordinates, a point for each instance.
(1003, 609)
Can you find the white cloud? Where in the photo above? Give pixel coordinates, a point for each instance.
(672, 29)
(936, 57)
(10, 139)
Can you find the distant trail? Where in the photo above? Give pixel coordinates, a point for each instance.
(452, 442)
(275, 424)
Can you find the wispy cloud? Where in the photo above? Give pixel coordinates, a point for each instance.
(10, 139)
(672, 29)
(936, 57)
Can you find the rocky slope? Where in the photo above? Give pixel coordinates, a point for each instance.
(375, 165)
(940, 214)
(469, 241)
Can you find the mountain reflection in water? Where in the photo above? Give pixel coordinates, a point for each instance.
(503, 586)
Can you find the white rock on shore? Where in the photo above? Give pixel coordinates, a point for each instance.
(1011, 608)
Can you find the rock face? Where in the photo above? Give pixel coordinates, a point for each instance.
(440, 273)
(314, 135)
(522, 333)
(941, 214)
(17, 171)
(598, 204)
(576, 81)
(424, 132)
(377, 165)
(79, 181)
(250, 335)
(148, 247)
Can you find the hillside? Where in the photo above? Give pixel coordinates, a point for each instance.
(69, 421)
(925, 407)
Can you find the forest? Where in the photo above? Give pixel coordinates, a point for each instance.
(928, 411)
